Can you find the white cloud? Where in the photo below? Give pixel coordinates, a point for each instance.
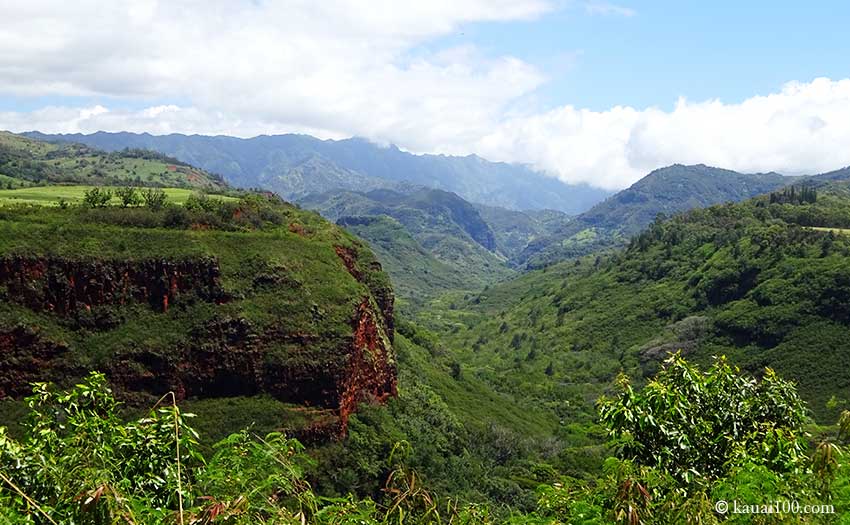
(341, 68)
(604, 8)
(803, 128)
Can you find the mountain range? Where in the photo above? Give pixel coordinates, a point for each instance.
(525, 212)
(298, 165)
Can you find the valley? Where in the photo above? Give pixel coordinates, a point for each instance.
(483, 338)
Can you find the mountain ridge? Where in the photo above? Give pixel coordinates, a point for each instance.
(439, 223)
(266, 160)
(668, 190)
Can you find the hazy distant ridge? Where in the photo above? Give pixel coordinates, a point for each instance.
(298, 165)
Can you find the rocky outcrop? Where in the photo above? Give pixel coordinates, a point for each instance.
(381, 291)
(371, 369)
(228, 357)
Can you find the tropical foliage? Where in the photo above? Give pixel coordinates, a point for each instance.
(680, 446)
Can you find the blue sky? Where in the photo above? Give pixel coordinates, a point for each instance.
(583, 90)
(698, 50)
(651, 57)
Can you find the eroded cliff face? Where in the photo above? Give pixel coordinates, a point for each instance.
(60, 285)
(24, 357)
(224, 355)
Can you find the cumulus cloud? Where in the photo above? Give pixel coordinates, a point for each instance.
(337, 66)
(341, 68)
(803, 128)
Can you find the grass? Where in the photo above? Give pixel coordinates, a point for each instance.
(842, 231)
(26, 162)
(51, 195)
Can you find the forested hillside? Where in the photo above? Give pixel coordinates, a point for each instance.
(764, 282)
(447, 228)
(665, 191)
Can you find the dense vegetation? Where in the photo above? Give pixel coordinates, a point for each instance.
(416, 273)
(431, 241)
(513, 404)
(80, 462)
(212, 276)
(439, 223)
(515, 230)
(765, 284)
(665, 191)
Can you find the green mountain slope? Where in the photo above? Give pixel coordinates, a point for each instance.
(664, 191)
(414, 271)
(259, 314)
(26, 162)
(763, 283)
(445, 227)
(288, 164)
(514, 230)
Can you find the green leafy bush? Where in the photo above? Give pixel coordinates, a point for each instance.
(129, 196)
(97, 197)
(154, 198)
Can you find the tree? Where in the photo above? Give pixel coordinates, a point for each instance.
(129, 196)
(154, 198)
(97, 197)
(696, 426)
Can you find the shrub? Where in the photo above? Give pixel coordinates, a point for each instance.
(695, 426)
(97, 197)
(154, 198)
(129, 196)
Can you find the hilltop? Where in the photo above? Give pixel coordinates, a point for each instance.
(664, 191)
(25, 162)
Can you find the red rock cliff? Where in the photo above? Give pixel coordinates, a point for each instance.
(222, 357)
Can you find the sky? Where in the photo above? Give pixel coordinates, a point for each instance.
(586, 91)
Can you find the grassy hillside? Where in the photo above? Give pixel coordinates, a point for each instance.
(53, 195)
(26, 162)
(414, 271)
(761, 283)
(665, 191)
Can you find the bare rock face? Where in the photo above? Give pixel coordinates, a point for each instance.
(224, 356)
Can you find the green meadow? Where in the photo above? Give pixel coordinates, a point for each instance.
(51, 195)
